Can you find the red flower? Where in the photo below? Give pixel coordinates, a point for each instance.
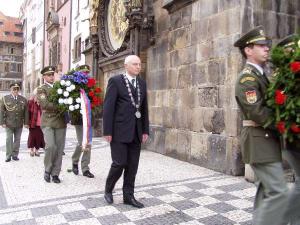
(295, 66)
(91, 93)
(295, 128)
(281, 127)
(95, 99)
(280, 98)
(91, 82)
(98, 90)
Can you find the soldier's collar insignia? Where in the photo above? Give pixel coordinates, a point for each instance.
(251, 96)
(261, 32)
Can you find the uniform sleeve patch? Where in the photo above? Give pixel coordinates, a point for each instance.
(251, 96)
(244, 79)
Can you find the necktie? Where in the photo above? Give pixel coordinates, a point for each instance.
(133, 82)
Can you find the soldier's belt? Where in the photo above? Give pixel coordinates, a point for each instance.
(250, 123)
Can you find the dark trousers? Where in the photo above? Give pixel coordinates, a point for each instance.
(125, 157)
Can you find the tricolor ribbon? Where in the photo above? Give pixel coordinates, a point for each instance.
(86, 121)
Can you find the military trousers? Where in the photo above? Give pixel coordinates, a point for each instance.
(86, 155)
(293, 210)
(55, 144)
(271, 197)
(13, 138)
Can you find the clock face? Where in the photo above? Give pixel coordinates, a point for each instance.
(117, 24)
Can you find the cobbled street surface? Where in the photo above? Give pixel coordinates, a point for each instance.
(173, 192)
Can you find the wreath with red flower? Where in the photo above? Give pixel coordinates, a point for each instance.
(283, 95)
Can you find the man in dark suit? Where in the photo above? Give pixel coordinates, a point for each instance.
(125, 127)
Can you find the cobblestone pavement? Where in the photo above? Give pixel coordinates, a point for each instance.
(174, 192)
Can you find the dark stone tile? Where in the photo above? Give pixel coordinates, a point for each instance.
(197, 185)
(113, 219)
(236, 187)
(93, 202)
(216, 220)
(44, 211)
(225, 197)
(78, 215)
(191, 194)
(159, 192)
(184, 204)
(220, 207)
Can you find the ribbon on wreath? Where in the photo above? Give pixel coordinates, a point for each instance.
(86, 121)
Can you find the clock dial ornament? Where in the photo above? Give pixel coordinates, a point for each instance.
(117, 24)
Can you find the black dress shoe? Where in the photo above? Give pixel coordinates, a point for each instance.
(88, 174)
(132, 201)
(47, 177)
(56, 179)
(15, 158)
(75, 169)
(109, 198)
(8, 159)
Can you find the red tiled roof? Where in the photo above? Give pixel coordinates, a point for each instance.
(8, 24)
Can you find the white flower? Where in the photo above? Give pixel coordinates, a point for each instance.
(66, 93)
(69, 89)
(78, 100)
(68, 83)
(62, 82)
(71, 108)
(65, 101)
(81, 111)
(59, 91)
(70, 100)
(72, 87)
(60, 101)
(77, 106)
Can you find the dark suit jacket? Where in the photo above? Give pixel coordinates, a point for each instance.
(119, 119)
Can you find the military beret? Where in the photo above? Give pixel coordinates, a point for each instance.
(254, 36)
(83, 68)
(287, 41)
(47, 70)
(14, 85)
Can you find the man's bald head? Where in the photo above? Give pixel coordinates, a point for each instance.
(132, 65)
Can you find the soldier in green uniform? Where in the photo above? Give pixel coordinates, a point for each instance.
(260, 146)
(54, 128)
(292, 155)
(86, 153)
(13, 115)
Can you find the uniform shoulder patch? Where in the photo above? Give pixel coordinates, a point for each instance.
(247, 70)
(247, 78)
(251, 96)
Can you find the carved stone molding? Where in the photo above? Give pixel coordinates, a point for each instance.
(173, 5)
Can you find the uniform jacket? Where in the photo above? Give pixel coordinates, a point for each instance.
(119, 119)
(13, 113)
(259, 145)
(50, 115)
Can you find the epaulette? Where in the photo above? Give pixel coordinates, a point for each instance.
(246, 70)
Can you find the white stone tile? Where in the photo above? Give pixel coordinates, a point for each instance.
(71, 207)
(210, 191)
(144, 213)
(171, 198)
(222, 182)
(103, 211)
(205, 200)
(245, 193)
(192, 222)
(240, 203)
(16, 216)
(238, 216)
(199, 212)
(179, 189)
(90, 221)
(142, 194)
(51, 220)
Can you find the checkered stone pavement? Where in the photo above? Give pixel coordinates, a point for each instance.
(208, 200)
(173, 192)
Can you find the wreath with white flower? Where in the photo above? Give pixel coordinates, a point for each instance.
(66, 93)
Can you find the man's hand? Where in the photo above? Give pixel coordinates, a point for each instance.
(108, 138)
(3, 125)
(26, 126)
(145, 138)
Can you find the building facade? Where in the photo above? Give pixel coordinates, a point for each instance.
(191, 67)
(32, 15)
(57, 39)
(11, 51)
